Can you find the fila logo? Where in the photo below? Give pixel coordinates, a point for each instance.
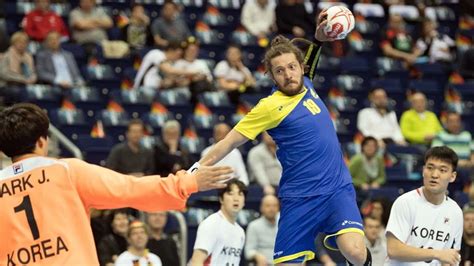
(17, 168)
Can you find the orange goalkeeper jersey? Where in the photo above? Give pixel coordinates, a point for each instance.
(45, 203)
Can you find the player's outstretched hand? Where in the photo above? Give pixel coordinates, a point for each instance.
(322, 22)
(212, 177)
(448, 256)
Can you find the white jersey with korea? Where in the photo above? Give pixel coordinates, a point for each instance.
(222, 240)
(419, 223)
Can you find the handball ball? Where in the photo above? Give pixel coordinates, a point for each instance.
(340, 22)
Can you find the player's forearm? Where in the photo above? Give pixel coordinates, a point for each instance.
(402, 252)
(217, 152)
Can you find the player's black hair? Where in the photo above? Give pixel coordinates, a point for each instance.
(233, 182)
(21, 125)
(444, 154)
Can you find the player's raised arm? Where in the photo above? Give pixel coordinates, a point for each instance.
(231, 141)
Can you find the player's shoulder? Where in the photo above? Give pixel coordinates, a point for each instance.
(453, 206)
(409, 197)
(211, 220)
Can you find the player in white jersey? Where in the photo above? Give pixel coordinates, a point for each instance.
(220, 240)
(425, 226)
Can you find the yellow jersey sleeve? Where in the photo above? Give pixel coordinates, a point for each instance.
(268, 114)
(256, 121)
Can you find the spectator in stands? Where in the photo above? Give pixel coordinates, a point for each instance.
(233, 159)
(367, 168)
(379, 209)
(137, 253)
(397, 42)
(136, 33)
(202, 80)
(17, 66)
(434, 46)
(57, 66)
(220, 231)
(419, 126)
(293, 19)
(258, 17)
(375, 242)
(160, 243)
(466, 66)
(89, 23)
(328, 257)
(130, 157)
(379, 121)
(113, 244)
(170, 27)
(169, 156)
(457, 139)
(42, 20)
(264, 165)
(157, 70)
(232, 75)
(467, 245)
(261, 233)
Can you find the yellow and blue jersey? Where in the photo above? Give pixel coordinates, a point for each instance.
(308, 147)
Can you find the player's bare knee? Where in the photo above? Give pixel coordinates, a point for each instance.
(357, 255)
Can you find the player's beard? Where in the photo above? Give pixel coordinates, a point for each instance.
(291, 88)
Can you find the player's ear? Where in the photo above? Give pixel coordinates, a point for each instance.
(454, 174)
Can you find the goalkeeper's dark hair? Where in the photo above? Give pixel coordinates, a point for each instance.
(21, 126)
(281, 45)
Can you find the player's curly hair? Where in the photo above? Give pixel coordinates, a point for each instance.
(281, 45)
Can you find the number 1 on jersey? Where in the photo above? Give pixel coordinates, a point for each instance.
(312, 106)
(25, 205)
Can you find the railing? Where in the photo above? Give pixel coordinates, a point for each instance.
(183, 231)
(76, 152)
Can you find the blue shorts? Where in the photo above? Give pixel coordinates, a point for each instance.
(301, 219)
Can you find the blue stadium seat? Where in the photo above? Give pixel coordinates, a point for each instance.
(95, 150)
(390, 68)
(87, 99)
(48, 97)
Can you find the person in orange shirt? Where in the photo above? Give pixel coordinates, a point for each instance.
(45, 203)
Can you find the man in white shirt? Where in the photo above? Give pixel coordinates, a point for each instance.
(220, 239)
(426, 226)
(156, 63)
(264, 165)
(137, 253)
(261, 233)
(233, 159)
(258, 17)
(374, 242)
(378, 121)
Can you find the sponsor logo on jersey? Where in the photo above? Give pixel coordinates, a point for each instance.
(17, 168)
(346, 222)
